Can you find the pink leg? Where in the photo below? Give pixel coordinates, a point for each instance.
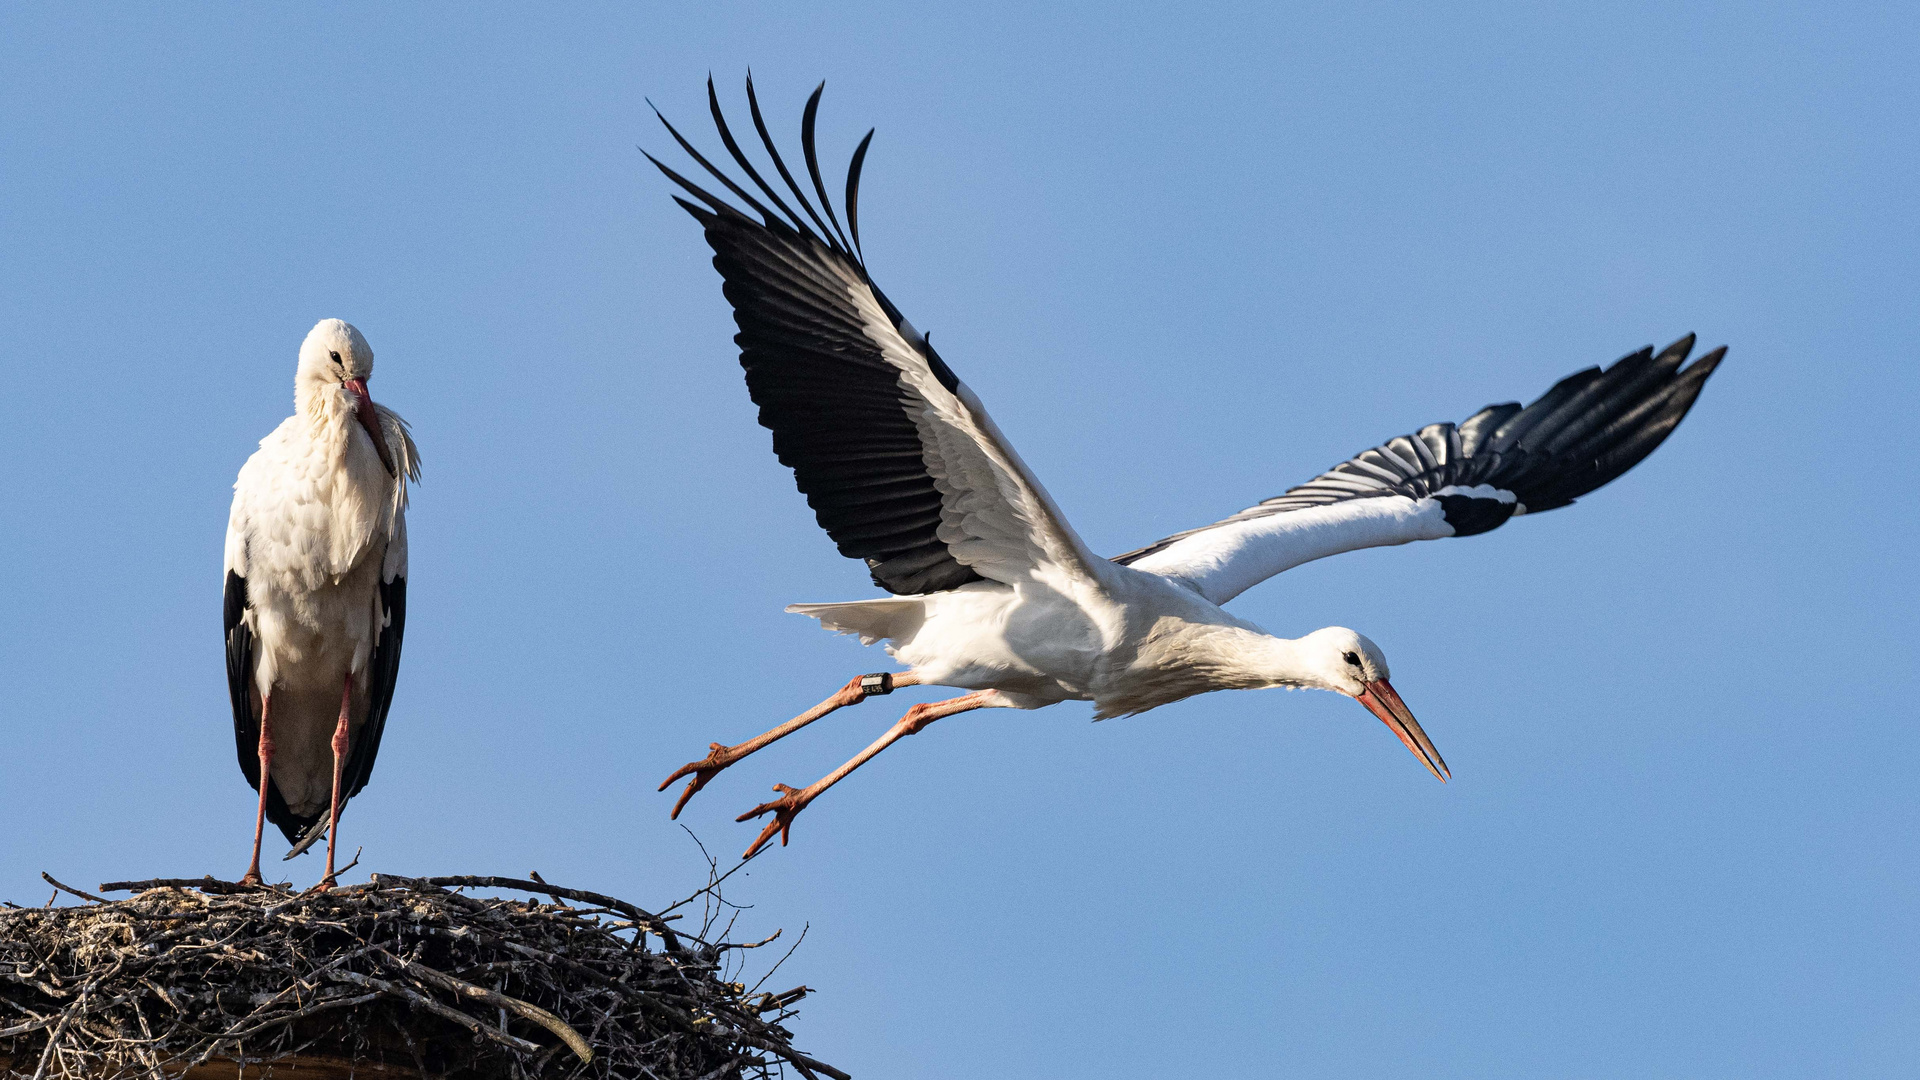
(339, 766)
(266, 771)
(720, 756)
(794, 800)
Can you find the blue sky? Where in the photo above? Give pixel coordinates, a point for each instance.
(1190, 256)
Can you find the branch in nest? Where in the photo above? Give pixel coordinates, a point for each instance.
(70, 889)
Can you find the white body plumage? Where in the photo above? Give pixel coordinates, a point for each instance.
(318, 524)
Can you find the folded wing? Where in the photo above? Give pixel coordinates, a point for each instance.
(1447, 479)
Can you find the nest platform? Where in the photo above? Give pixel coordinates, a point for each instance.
(399, 977)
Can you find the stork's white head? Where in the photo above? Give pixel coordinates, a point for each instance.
(335, 364)
(334, 352)
(1346, 661)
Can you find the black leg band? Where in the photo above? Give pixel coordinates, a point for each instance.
(875, 685)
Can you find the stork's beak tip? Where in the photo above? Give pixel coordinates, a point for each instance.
(1383, 701)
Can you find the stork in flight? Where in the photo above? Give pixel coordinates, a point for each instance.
(995, 593)
(316, 593)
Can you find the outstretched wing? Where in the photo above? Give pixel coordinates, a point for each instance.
(1448, 480)
(900, 462)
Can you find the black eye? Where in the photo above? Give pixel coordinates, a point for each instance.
(336, 356)
(1352, 659)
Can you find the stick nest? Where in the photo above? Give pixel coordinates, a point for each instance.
(407, 974)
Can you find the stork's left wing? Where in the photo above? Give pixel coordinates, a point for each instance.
(1448, 480)
(902, 465)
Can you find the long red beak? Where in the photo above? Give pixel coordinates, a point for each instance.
(1382, 701)
(371, 421)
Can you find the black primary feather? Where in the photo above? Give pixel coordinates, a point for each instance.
(837, 407)
(740, 157)
(766, 140)
(807, 119)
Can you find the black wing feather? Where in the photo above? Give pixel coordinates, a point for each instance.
(1586, 431)
(831, 398)
(246, 706)
(384, 671)
(766, 140)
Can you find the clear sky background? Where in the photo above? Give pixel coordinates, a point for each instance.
(1189, 256)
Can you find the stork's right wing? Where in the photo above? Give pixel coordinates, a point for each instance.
(1448, 480)
(245, 698)
(899, 460)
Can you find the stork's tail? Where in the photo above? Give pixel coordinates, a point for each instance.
(895, 617)
(315, 832)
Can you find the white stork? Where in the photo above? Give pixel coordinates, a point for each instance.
(316, 593)
(995, 593)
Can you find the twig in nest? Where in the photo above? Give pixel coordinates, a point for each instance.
(493, 997)
(208, 884)
(535, 875)
(68, 888)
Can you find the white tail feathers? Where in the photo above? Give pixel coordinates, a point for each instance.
(873, 620)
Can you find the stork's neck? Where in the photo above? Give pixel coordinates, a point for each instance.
(1234, 657)
(1179, 658)
(1264, 660)
(324, 403)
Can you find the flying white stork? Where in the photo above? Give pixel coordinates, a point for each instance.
(995, 593)
(316, 593)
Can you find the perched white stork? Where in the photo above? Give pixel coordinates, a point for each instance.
(316, 593)
(995, 593)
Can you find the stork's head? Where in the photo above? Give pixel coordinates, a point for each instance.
(1346, 661)
(335, 364)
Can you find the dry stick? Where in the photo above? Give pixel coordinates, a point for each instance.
(53, 1038)
(711, 885)
(649, 919)
(68, 888)
(480, 993)
(725, 945)
(208, 884)
(281, 1021)
(421, 1000)
(722, 1070)
(535, 875)
(799, 1060)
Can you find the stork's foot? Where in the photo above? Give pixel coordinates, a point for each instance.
(719, 756)
(251, 877)
(791, 801)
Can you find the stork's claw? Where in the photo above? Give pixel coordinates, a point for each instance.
(719, 756)
(791, 801)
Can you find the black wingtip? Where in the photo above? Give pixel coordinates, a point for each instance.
(807, 146)
(1680, 348)
(853, 192)
(779, 163)
(740, 158)
(727, 181)
(1708, 362)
